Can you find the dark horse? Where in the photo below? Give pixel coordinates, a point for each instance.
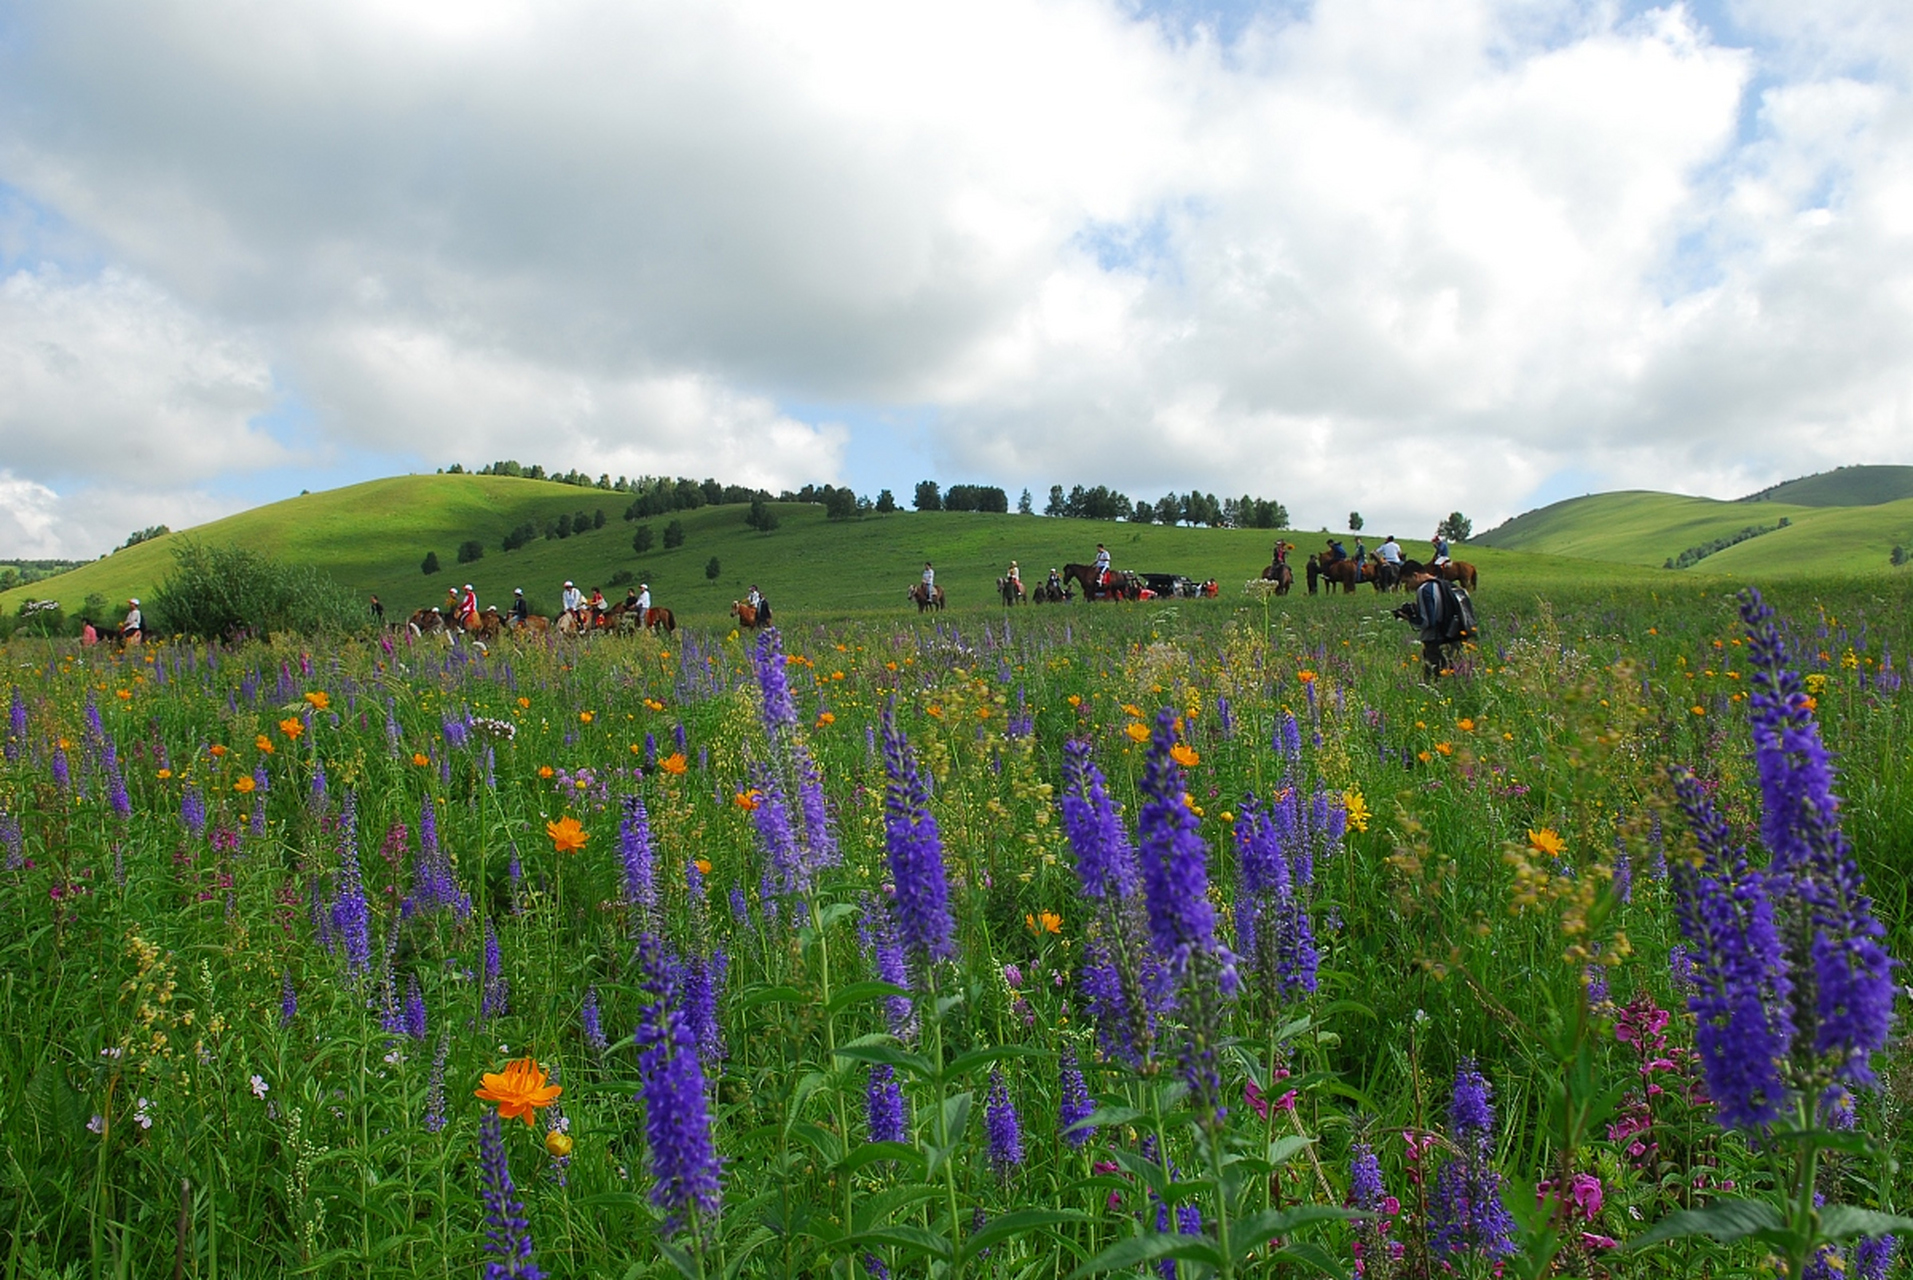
(1281, 575)
(1046, 594)
(1123, 585)
(927, 597)
(1346, 573)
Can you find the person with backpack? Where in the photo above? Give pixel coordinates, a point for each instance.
(1444, 614)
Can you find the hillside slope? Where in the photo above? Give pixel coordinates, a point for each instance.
(373, 536)
(1635, 526)
(1866, 486)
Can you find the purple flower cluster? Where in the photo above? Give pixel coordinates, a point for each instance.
(351, 918)
(780, 712)
(1105, 860)
(640, 863)
(1465, 1212)
(1074, 1105)
(508, 1243)
(1004, 1127)
(677, 1125)
(883, 1106)
(1273, 930)
(495, 998)
(594, 1023)
(922, 902)
(434, 887)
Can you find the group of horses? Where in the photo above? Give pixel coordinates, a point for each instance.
(1012, 591)
(751, 616)
(488, 625)
(1348, 573)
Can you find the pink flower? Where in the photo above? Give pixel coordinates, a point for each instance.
(1260, 1102)
(1584, 1193)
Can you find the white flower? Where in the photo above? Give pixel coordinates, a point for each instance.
(140, 1117)
(97, 1124)
(395, 1057)
(111, 1052)
(259, 1087)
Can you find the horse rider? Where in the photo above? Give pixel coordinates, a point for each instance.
(630, 598)
(519, 609)
(1361, 553)
(1390, 554)
(133, 629)
(378, 611)
(1016, 576)
(1055, 585)
(468, 607)
(573, 602)
(1336, 552)
(929, 578)
(643, 602)
(1281, 555)
(755, 599)
(598, 606)
(1441, 548)
(1102, 565)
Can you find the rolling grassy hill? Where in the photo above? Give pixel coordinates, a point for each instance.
(373, 536)
(1842, 487)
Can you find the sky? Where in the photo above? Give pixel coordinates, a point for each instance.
(1402, 257)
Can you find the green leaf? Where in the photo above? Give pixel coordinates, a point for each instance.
(771, 995)
(1287, 1147)
(1313, 1256)
(858, 992)
(837, 911)
(956, 1116)
(1015, 1224)
(683, 1261)
(995, 1053)
(1724, 1221)
(903, 1236)
(822, 1141)
(1844, 1221)
(740, 1253)
(867, 1153)
(1150, 1248)
(1258, 1229)
(889, 1055)
(1111, 1117)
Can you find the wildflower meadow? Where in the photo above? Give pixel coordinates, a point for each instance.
(1208, 940)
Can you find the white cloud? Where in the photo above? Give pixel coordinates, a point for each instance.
(1394, 255)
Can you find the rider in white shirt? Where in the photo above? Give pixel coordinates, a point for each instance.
(1102, 563)
(574, 599)
(929, 577)
(134, 623)
(644, 599)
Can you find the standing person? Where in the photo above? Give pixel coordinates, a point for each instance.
(1102, 565)
(89, 635)
(133, 629)
(378, 611)
(1441, 614)
(519, 609)
(573, 602)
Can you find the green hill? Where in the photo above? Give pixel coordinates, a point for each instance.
(1634, 526)
(1842, 487)
(373, 537)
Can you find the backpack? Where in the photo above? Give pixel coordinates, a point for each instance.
(1458, 614)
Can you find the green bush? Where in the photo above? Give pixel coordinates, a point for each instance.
(469, 550)
(215, 590)
(712, 569)
(641, 540)
(430, 565)
(674, 535)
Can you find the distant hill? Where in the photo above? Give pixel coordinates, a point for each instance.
(1842, 487)
(1646, 528)
(374, 536)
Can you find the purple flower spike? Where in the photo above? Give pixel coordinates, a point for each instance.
(916, 854)
(1005, 1129)
(508, 1242)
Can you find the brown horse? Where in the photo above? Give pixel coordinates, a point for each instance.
(746, 615)
(534, 624)
(926, 597)
(1281, 575)
(1454, 571)
(1123, 585)
(426, 622)
(1346, 573)
(655, 618)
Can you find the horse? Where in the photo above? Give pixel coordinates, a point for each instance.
(426, 622)
(1011, 589)
(1346, 573)
(532, 624)
(1454, 571)
(927, 597)
(1281, 575)
(1047, 594)
(1123, 585)
(655, 618)
(486, 625)
(750, 618)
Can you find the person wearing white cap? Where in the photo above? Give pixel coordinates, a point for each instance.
(644, 601)
(468, 607)
(134, 628)
(519, 609)
(573, 599)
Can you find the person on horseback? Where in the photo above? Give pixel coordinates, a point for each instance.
(134, 627)
(1281, 554)
(519, 609)
(1361, 553)
(573, 602)
(467, 613)
(1441, 548)
(1102, 565)
(1054, 585)
(1336, 552)
(598, 607)
(755, 599)
(1390, 554)
(642, 602)
(929, 578)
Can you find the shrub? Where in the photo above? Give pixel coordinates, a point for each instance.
(214, 590)
(673, 535)
(1457, 527)
(597, 518)
(712, 568)
(641, 540)
(1355, 522)
(840, 504)
(1899, 555)
(886, 502)
(623, 577)
(469, 550)
(431, 563)
(929, 497)
(564, 526)
(761, 517)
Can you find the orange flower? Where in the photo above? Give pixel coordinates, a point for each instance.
(1044, 922)
(673, 763)
(566, 835)
(263, 743)
(1698, 710)
(1465, 725)
(1445, 748)
(1547, 840)
(524, 704)
(1306, 677)
(243, 786)
(420, 759)
(1424, 756)
(544, 771)
(584, 717)
(703, 866)
(217, 750)
(1132, 709)
(318, 700)
(935, 710)
(1137, 731)
(1185, 755)
(889, 666)
(519, 1090)
(747, 800)
(165, 774)
(292, 727)
(124, 695)
(826, 717)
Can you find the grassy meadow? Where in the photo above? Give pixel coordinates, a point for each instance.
(272, 916)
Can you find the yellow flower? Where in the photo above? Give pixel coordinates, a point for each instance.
(1816, 684)
(519, 1090)
(673, 763)
(292, 727)
(1357, 807)
(420, 759)
(1189, 803)
(318, 700)
(1185, 755)
(1547, 840)
(558, 1144)
(566, 835)
(243, 786)
(1137, 731)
